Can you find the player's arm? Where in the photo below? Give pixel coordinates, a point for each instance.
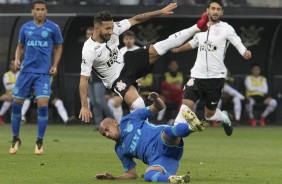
(58, 49)
(137, 19)
(18, 55)
(158, 104)
(130, 174)
(182, 48)
(85, 113)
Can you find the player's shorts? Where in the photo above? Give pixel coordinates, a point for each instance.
(259, 99)
(136, 65)
(208, 90)
(166, 156)
(28, 82)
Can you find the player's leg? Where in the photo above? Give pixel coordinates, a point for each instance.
(21, 91)
(25, 108)
(271, 104)
(42, 87)
(212, 113)
(237, 108)
(250, 102)
(58, 103)
(176, 39)
(4, 108)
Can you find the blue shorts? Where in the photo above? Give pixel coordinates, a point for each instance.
(27, 83)
(166, 156)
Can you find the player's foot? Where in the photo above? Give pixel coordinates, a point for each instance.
(23, 120)
(262, 122)
(15, 145)
(1, 120)
(227, 125)
(179, 179)
(253, 122)
(71, 120)
(193, 121)
(38, 147)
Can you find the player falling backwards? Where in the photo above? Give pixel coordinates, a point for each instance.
(118, 72)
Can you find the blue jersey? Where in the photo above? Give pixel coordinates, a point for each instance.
(39, 42)
(138, 138)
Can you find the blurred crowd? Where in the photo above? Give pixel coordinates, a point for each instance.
(232, 3)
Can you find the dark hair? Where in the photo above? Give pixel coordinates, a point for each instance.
(215, 1)
(128, 33)
(254, 64)
(102, 16)
(37, 2)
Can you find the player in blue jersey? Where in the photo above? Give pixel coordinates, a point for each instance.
(159, 146)
(37, 40)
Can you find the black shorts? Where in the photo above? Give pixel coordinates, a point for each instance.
(136, 65)
(259, 99)
(208, 90)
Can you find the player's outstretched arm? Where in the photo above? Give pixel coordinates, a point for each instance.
(85, 113)
(182, 48)
(131, 174)
(158, 104)
(137, 19)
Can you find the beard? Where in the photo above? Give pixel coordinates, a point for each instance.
(104, 37)
(216, 19)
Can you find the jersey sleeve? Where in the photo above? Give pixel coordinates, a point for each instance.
(128, 163)
(235, 40)
(88, 58)
(22, 36)
(194, 42)
(57, 36)
(142, 114)
(122, 26)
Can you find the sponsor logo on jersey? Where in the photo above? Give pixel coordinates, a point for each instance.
(37, 43)
(134, 141)
(208, 46)
(113, 57)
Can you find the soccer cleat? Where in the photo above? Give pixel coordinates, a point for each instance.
(193, 122)
(179, 179)
(15, 145)
(227, 125)
(70, 121)
(253, 122)
(262, 122)
(38, 147)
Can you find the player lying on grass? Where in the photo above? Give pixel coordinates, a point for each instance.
(159, 146)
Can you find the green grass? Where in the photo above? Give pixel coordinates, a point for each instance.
(74, 154)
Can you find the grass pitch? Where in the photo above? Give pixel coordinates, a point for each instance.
(74, 154)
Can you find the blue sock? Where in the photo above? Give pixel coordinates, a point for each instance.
(42, 121)
(16, 118)
(156, 176)
(179, 130)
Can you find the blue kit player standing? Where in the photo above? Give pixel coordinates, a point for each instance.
(37, 38)
(158, 146)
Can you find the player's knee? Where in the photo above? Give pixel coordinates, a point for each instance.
(137, 104)
(273, 103)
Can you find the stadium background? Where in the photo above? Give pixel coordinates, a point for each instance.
(259, 27)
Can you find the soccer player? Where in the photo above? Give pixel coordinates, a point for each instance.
(158, 146)
(209, 72)
(119, 72)
(37, 38)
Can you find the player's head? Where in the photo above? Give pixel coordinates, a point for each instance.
(255, 69)
(89, 32)
(128, 38)
(215, 10)
(39, 10)
(173, 66)
(110, 129)
(103, 25)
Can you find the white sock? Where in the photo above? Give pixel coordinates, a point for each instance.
(61, 110)
(218, 116)
(237, 108)
(25, 108)
(179, 118)
(270, 108)
(175, 40)
(137, 104)
(5, 106)
(118, 112)
(249, 107)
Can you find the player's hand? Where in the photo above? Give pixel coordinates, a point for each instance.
(247, 54)
(168, 9)
(85, 114)
(104, 176)
(53, 70)
(153, 96)
(17, 64)
(202, 24)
